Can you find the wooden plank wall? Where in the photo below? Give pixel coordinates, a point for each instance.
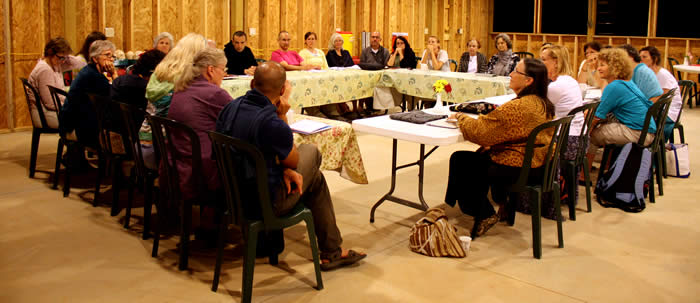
(4, 111)
(669, 47)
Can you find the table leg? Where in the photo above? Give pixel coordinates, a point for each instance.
(390, 197)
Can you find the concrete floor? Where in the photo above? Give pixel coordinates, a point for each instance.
(55, 249)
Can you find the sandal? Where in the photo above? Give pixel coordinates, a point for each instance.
(484, 225)
(337, 260)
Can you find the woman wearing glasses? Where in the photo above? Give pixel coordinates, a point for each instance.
(500, 134)
(49, 71)
(78, 113)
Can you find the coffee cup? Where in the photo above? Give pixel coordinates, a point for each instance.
(466, 243)
(423, 66)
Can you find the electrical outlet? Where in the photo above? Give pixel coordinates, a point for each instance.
(109, 32)
(425, 31)
(253, 31)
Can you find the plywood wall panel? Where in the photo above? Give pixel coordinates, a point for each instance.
(26, 49)
(327, 24)
(87, 18)
(142, 27)
(216, 22)
(252, 18)
(170, 17)
(4, 114)
(114, 17)
(193, 16)
(55, 18)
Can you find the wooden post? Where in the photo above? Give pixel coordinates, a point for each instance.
(651, 25)
(8, 68)
(592, 6)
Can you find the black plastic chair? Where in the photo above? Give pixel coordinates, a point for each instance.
(112, 147)
(524, 55)
(451, 62)
(571, 168)
(658, 111)
(671, 63)
(132, 115)
(232, 157)
(549, 183)
(164, 130)
(39, 127)
(686, 87)
(63, 140)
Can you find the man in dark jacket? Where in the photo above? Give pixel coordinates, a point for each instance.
(240, 58)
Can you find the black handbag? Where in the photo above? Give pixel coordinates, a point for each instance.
(474, 108)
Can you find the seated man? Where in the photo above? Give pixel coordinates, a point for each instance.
(293, 173)
(240, 58)
(289, 59)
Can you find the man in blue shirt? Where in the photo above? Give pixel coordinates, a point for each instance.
(260, 118)
(643, 76)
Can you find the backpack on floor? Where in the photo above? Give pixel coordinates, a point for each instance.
(625, 184)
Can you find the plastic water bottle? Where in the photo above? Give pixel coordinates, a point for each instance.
(685, 60)
(290, 116)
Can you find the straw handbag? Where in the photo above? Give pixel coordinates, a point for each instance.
(434, 236)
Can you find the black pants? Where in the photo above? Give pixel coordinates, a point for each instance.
(471, 176)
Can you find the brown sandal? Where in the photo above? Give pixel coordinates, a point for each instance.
(337, 260)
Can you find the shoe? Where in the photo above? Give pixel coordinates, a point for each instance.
(337, 260)
(484, 225)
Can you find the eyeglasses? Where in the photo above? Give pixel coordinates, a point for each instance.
(519, 72)
(109, 56)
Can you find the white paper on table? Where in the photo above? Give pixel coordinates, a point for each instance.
(593, 93)
(317, 70)
(308, 127)
(442, 123)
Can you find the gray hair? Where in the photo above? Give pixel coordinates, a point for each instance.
(505, 38)
(98, 47)
(161, 36)
(331, 43)
(203, 59)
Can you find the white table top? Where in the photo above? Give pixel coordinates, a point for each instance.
(694, 69)
(419, 133)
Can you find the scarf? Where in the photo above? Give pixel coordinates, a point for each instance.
(502, 66)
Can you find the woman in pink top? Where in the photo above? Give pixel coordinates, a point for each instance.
(49, 71)
(289, 59)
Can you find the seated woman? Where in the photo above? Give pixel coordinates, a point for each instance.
(49, 71)
(500, 133)
(472, 61)
(565, 93)
(434, 57)
(503, 63)
(163, 42)
(78, 113)
(197, 101)
(403, 55)
(652, 57)
(312, 55)
(338, 57)
(619, 118)
(587, 70)
(160, 86)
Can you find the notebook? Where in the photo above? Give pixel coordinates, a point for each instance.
(308, 127)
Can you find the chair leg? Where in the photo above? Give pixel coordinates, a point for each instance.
(160, 224)
(572, 181)
(66, 180)
(185, 235)
(219, 252)
(130, 198)
(659, 173)
(535, 202)
(587, 178)
(147, 207)
(557, 207)
(651, 183)
(116, 184)
(59, 158)
(249, 263)
(100, 174)
(36, 134)
(680, 133)
(662, 150)
(314, 251)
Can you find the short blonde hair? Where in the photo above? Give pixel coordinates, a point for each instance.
(561, 54)
(331, 43)
(180, 57)
(620, 66)
(204, 58)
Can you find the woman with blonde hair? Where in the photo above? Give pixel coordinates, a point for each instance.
(160, 86)
(435, 57)
(197, 101)
(312, 55)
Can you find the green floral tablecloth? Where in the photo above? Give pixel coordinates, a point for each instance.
(319, 87)
(465, 87)
(339, 148)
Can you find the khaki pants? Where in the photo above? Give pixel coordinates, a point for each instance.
(615, 133)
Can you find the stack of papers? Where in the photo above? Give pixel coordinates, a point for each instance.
(307, 127)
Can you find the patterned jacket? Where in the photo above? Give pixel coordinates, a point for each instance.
(505, 130)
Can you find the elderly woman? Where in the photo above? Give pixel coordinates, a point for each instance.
(160, 86)
(652, 57)
(78, 113)
(163, 42)
(312, 55)
(49, 71)
(498, 162)
(619, 118)
(503, 62)
(434, 57)
(403, 55)
(472, 61)
(197, 101)
(336, 55)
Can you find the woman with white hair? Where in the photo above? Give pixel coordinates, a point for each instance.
(336, 55)
(78, 113)
(163, 42)
(197, 101)
(160, 87)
